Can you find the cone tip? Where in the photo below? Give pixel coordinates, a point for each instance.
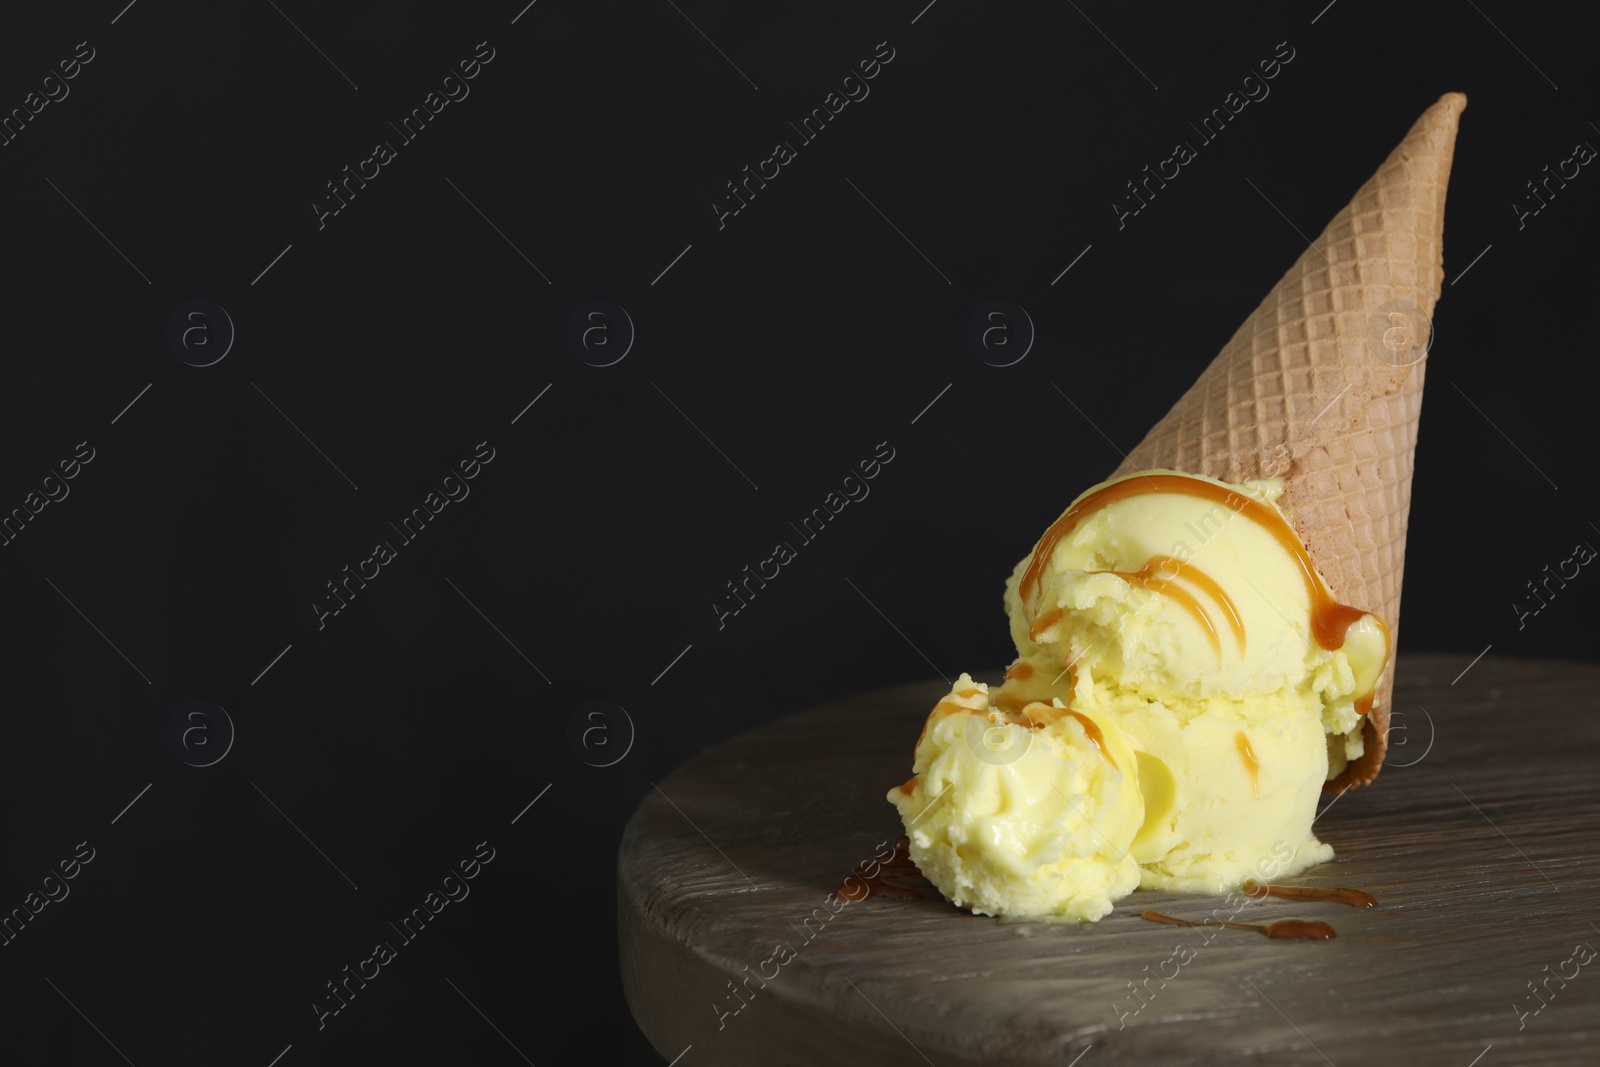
(1441, 118)
(1446, 111)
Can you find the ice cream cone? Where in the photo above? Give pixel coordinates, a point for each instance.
(1322, 386)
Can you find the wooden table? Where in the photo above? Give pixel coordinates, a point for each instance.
(1484, 851)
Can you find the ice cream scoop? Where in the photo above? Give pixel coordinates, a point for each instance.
(1184, 589)
(1025, 813)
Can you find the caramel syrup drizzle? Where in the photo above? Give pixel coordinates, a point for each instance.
(1044, 622)
(892, 879)
(1280, 929)
(1033, 720)
(1354, 898)
(1241, 741)
(1009, 701)
(1172, 568)
(1330, 620)
(1048, 713)
(940, 710)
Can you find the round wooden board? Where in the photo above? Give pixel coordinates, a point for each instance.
(1483, 850)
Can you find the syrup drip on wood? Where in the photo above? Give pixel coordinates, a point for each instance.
(891, 879)
(1280, 929)
(1354, 898)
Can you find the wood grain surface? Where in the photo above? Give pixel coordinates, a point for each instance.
(1483, 850)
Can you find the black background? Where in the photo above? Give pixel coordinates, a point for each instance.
(415, 723)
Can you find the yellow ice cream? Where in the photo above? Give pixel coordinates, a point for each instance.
(1025, 813)
(1182, 615)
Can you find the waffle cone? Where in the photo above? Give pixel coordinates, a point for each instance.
(1322, 386)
